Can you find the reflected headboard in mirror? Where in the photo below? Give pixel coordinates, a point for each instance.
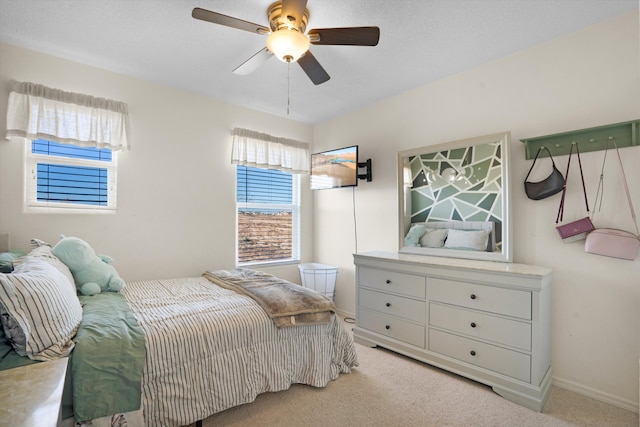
(457, 195)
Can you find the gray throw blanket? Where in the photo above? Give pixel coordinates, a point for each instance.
(286, 303)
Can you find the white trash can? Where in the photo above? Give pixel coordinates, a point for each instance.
(319, 277)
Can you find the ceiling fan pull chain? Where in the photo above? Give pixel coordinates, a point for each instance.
(288, 86)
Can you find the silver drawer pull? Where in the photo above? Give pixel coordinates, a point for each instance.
(387, 281)
(472, 352)
(473, 296)
(473, 324)
(388, 304)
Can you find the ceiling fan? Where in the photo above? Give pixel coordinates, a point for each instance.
(286, 37)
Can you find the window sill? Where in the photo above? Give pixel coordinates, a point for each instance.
(268, 264)
(65, 210)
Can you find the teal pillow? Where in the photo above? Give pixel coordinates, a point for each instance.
(6, 260)
(413, 236)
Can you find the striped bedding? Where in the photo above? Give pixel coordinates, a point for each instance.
(209, 349)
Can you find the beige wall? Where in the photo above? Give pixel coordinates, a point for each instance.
(176, 189)
(587, 79)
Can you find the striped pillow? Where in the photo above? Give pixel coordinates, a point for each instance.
(44, 253)
(39, 310)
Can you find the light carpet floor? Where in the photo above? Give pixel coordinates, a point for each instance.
(391, 390)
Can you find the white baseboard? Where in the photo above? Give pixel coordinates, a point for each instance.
(596, 394)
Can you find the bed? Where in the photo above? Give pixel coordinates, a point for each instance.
(175, 351)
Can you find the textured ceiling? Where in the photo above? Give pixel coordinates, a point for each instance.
(421, 41)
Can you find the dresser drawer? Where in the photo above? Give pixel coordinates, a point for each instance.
(392, 327)
(481, 325)
(409, 309)
(508, 302)
(399, 283)
(497, 359)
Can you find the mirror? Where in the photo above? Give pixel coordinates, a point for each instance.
(458, 193)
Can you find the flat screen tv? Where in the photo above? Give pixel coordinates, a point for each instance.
(335, 168)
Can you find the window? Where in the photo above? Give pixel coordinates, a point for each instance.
(70, 140)
(63, 176)
(268, 210)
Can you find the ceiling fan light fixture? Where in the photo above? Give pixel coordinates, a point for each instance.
(288, 44)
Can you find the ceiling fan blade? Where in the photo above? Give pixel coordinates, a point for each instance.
(351, 36)
(295, 9)
(228, 21)
(253, 63)
(312, 67)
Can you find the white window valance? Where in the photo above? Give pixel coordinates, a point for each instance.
(259, 150)
(35, 111)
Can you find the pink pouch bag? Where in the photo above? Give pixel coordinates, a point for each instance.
(575, 230)
(613, 243)
(578, 229)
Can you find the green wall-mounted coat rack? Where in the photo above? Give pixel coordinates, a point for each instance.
(626, 134)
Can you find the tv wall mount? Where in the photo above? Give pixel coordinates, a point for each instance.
(366, 165)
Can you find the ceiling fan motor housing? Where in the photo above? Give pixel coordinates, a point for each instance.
(279, 22)
(287, 40)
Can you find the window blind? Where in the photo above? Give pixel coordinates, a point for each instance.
(71, 175)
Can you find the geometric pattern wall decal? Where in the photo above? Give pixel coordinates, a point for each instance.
(462, 184)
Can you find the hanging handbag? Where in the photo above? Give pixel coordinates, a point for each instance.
(549, 186)
(612, 242)
(578, 229)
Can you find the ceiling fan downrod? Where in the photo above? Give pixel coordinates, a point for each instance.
(288, 87)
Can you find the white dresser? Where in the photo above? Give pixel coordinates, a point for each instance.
(487, 321)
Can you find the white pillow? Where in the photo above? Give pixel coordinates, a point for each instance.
(433, 238)
(39, 310)
(474, 240)
(44, 253)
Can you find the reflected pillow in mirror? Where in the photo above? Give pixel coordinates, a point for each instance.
(413, 236)
(433, 238)
(474, 240)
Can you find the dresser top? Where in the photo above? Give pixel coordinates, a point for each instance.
(32, 394)
(489, 266)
